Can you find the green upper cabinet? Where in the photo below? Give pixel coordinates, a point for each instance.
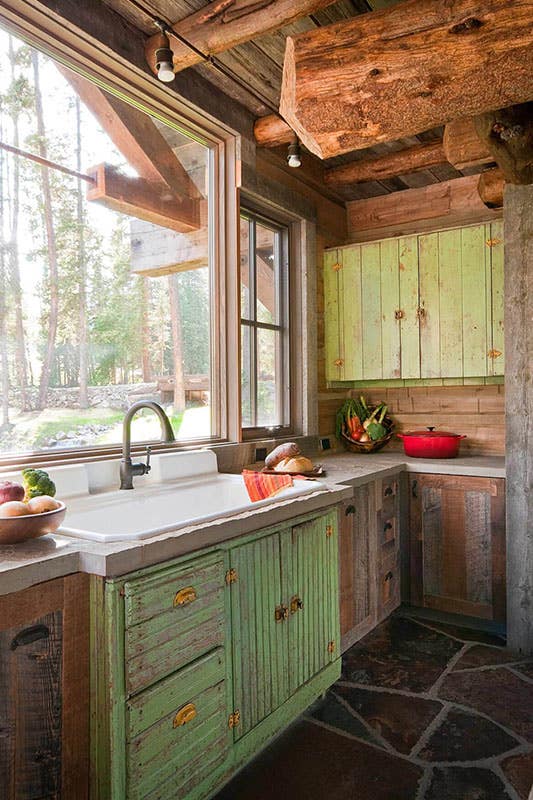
(428, 306)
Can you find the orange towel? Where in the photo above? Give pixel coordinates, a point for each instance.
(260, 485)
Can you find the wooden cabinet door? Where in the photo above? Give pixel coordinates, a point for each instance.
(333, 351)
(259, 641)
(358, 565)
(494, 242)
(311, 585)
(457, 544)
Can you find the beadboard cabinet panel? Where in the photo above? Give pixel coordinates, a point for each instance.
(419, 307)
(457, 544)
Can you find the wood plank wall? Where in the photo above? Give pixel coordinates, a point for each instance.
(477, 411)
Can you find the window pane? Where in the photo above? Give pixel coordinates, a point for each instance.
(246, 376)
(105, 295)
(267, 274)
(269, 373)
(245, 268)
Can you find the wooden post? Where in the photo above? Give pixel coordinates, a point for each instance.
(518, 227)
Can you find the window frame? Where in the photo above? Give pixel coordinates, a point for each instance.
(55, 39)
(283, 229)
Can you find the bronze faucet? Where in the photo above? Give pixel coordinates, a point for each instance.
(127, 468)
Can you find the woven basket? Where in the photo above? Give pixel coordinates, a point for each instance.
(368, 447)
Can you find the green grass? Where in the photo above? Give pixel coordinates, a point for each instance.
(71, 421)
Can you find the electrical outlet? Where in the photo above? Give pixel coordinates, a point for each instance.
(260, 453)
(325, 444)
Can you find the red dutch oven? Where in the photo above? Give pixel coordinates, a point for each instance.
(431, 443)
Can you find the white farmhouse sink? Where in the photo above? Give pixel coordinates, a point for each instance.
(172, 504)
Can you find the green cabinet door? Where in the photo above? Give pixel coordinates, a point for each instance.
(494, 242)
(310, 576)
(259, 642)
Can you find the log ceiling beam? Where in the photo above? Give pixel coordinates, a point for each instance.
(401, 162)
(462, 146)
(224, 24)
(136, 136)
(508, 135)
(273, 131)
(491, 185)
(405, 69)
(143, 199)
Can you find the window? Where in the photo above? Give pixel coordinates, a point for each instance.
(107, 274)
(264, 323)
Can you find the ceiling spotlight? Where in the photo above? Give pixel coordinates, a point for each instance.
(164, 57)
(294, 155)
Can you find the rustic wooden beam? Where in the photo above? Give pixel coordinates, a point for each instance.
(462, 146)
(273, 131)
(508, 135)
(401, 162)
(441, 205)
(143, 199)
(490, 186)
(135, 135)
(224, 24)
(518, 292)
(397, 72)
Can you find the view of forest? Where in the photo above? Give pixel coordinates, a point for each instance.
(82, 334)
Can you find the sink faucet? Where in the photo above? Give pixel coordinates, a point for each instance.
(127, 468)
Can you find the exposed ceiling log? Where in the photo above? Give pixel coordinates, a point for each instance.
(397, 72)
(508, 135)
(442, 205)
(401, 162)
(136, 136)
(272, 131)
(224, 24)
(462, 145)
(143, 199)
(490, 186)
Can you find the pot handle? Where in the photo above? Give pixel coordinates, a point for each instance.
(400, 435)
(463, 436)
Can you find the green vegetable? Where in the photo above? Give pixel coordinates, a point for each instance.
(37, 482)
(376, 430)
(345, 413)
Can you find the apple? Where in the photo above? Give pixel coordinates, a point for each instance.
(13, 508)
(10, 491)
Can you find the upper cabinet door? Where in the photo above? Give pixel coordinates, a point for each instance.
(333, 355)
(494, 244)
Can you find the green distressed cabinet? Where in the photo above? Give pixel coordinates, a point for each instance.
(416, 307)
(199, 662)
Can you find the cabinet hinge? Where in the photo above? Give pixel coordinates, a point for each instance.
(231, 576)
(331, 647)
(493, 242)
(329, 531)
(234, 719)
(336, 267)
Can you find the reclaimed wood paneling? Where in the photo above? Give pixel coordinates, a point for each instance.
(409, 325)
(456, 544)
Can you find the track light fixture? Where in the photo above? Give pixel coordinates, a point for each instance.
(294, 155)
(164, 57)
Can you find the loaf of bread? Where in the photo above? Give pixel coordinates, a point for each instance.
(296, 465)
(287, 450)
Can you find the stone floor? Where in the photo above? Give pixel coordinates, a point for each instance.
(423, 711)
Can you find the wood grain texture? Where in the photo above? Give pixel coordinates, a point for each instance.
(272, 131)
(341, 84)
(462, 145)
(400, 162)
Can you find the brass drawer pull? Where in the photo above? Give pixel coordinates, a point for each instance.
(184, 596)
(296, 604)
(184, 715)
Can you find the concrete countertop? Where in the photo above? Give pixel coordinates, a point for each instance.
(39, 560)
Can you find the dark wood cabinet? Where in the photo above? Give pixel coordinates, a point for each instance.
(44, 692)
(457, 544)
(369, 558)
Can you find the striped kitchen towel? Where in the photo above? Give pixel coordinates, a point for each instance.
(260, 485)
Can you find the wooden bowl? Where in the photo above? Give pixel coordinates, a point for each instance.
(368, 447)
(31, 526)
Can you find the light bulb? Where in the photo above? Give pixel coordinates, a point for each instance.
(165, 72)
(294, 161)
(294, 158)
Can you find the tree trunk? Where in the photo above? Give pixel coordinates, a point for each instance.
(4, 361)
(53, 279)
(16, 291)
(145, 332)
(177, 352)
(82, 273)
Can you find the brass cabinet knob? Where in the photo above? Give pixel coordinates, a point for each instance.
(184, 715)
(296, 604)
(338, 362)
(185, 596)
(399, 314)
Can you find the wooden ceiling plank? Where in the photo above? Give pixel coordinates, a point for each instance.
(224, 24)
(405, 69)
(135, 135)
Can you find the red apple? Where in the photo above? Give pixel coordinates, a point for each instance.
(10, 491)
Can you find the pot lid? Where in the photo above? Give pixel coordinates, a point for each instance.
(430, 433)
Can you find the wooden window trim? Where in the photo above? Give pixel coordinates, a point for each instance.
(58, 39)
